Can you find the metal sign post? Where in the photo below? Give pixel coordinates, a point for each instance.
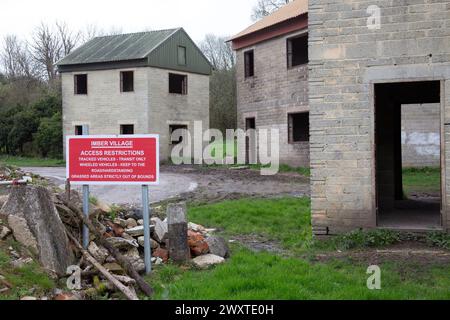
(146, 216)
(85, 202)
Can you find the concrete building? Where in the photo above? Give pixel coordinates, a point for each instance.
(369, 65)
(272, 80)
(151, 82)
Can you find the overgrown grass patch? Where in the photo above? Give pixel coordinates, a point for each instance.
(439, 239)
(253, 276)
(28, 280)
(30, 162)
(287, 220)
(361, 239)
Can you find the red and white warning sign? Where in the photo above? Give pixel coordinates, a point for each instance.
(112, 160)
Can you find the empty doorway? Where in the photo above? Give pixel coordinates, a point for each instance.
(250, 142)
(397, 206)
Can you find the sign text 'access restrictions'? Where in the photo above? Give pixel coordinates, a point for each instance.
(111, 160)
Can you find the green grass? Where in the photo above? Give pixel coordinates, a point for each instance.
(250, 275)
(30, 162)
(287, 220)
(422, 180)
(377, 238)
(29, 280)
(230, 148)
(439, 239)
(286, 168)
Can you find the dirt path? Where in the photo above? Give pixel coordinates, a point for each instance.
(195, 183)
(219, 183)
(404, 254)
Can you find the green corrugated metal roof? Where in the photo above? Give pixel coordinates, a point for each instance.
(115, 48)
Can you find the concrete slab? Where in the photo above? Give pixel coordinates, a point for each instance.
(413, 215)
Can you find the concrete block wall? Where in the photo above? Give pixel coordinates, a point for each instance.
(346, 58)
(169, 109)
(273, 93)
(105, 108)
(421, 135)
(150, 108)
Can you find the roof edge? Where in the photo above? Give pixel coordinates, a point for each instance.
(291, 10)
(237, 37)
(298, 24)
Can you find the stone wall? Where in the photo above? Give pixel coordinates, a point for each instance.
(346, 59)
(421, 136)
(150, 108)
(273, 93)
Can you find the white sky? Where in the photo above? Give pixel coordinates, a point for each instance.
(198, 17)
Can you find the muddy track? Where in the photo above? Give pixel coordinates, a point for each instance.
(411, 253)
(217, 184)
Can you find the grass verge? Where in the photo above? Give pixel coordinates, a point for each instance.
(284, 168)
(30, 162)
(252, 275)
(262, 276)
(287, 220)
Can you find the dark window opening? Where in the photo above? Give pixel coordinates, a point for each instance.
(249, 61)
(250, 123)
(127, 129)
(178, 83)
(297, 51)
(80, 83)
(172, 129)
(182, 56)
(127, 81)
(78, 130)
(298, 127)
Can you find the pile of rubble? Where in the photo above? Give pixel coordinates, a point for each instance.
(126, 233)
(50, 224)
(4, 173)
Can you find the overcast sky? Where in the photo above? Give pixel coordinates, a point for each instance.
(198, 17)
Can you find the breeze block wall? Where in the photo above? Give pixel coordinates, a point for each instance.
(274, 92)
(167, 109)
(346, 59)
(104, 109)
(150, 108)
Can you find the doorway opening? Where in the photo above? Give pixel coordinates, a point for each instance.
(407, 198)
(250, 141)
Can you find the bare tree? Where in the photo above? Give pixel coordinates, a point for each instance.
(16, 59)
(90, 32)
(219, 52)
(49, 45)
(222, 82)
(46, 50)
(265, 7)
(69, 39)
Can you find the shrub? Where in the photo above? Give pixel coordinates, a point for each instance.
(48, 138)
